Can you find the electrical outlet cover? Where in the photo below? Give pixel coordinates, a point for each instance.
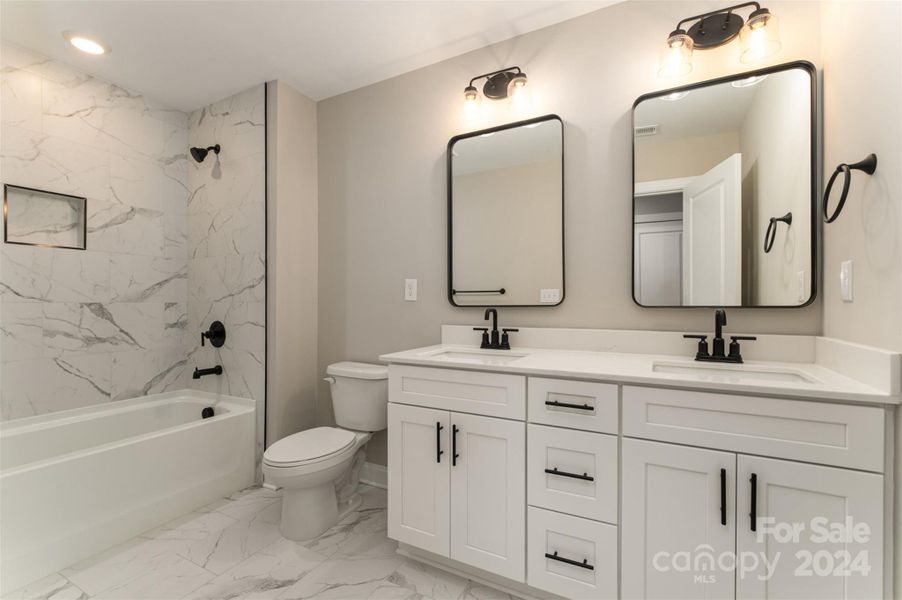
(550, 295)
(410, 290)
(846, 280)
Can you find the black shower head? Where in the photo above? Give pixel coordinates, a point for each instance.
(199, 154)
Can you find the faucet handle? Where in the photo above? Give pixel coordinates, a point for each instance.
(505, 339)
(485, 337)
(735, 353)
(702, 351)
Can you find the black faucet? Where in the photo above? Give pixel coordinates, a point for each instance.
(717, 352)
(492, 341)
(198, 373)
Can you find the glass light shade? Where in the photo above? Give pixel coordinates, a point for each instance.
(470, 94)
(519, 80)
(759, 38)
(676, 55)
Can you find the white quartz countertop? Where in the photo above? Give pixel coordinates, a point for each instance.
(785, 379)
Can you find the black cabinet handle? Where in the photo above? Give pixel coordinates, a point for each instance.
(584, 476)
(753, 513)
(723, 496)
(584, 565)
(438, 442)
(454, 454)
(568, 405)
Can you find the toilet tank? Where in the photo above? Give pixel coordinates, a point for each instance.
(359, 395)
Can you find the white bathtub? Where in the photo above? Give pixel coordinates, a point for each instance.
(76, 482)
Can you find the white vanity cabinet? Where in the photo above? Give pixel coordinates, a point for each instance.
(456, 485)
(587, 489)
(682, 503)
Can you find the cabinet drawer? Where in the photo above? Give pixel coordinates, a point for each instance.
(573, 539)
(586, 463)
(492, 394)
(574, 404)
(818, 432)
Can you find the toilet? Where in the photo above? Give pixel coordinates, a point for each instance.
(318, 469)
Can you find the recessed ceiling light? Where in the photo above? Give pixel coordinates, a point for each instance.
(86, 44)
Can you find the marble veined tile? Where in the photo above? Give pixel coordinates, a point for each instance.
(236, 122)
(175, 325)
(142, 372)
(20, 96)
(123, 229)
(52, 587)
(138, 568)
(227, 230)
(15, 57)
(136, 278)
(46, 162)
(147, 183)
(265, 574)
(429, 581)
(230, 546)
(44, 385)
(21, 328)
(351, 578)
(94, 328)
(33, 274)
(244, 503)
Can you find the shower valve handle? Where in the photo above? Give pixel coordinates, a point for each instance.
(216, 334)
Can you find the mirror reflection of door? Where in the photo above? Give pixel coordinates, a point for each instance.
(712, 164)
(712, 236)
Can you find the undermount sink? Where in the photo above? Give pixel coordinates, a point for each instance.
(477, 357)
(734, 373)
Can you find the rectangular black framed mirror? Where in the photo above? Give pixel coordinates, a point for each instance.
(725, 191)
(506, 215)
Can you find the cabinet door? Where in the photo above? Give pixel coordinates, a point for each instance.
(418, 477)
(675, 501)
(488, 494)
(810, 499)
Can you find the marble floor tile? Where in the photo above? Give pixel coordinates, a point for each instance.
(231, 549)
(52, 587)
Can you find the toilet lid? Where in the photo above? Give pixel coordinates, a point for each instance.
(308, 445)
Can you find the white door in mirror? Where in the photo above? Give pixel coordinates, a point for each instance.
(551, 295)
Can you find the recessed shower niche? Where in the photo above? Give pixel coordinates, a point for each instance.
(40, 218)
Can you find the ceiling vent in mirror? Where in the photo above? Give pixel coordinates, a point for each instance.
(646, 130)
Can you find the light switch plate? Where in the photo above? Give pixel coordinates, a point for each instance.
(550, 295)
(410, 290)
(845, 281)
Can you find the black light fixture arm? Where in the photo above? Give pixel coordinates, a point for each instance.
(499, 71)
(728, 9)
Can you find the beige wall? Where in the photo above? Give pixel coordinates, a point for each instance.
(685, 157)
(863, 114)
(292, 266)
(507, 232)
(774, 141)
(382, 182)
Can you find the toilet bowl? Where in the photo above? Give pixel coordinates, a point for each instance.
(318, 469)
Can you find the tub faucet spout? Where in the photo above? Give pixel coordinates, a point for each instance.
(198, 373)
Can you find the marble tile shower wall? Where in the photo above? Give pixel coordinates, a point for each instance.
(227, 243)
(108, 323)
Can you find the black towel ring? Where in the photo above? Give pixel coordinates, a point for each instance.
(868, 165)
(771, 234)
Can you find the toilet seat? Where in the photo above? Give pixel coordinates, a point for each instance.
(309, 446)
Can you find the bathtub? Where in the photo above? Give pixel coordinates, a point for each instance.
(76, 482)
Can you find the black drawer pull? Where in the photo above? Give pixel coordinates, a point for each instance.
(438, 442)
(584, 565)
(584, 476)
(723, 496)
(753, 503)
(569, 405)
(454, 454)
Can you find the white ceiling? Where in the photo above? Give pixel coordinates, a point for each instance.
(189, 53)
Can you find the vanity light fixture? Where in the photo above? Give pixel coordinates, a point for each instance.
(759, 37)
(86, 43)
(498, 84)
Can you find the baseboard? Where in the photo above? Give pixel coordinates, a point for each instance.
(374, 475)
